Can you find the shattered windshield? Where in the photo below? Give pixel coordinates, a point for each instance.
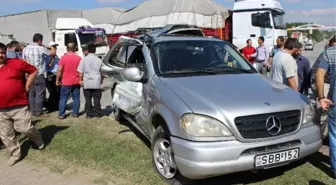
(199, 56)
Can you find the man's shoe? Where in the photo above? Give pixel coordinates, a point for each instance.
(2, 146)
(12, 161)
(75, 115)
(61, 117)
(41, 114)
(40, 145)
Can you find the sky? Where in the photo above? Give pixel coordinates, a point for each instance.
(317, 11)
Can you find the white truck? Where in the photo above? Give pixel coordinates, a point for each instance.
(254, 18)
(81, 32)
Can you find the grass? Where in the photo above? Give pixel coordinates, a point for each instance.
(104, 151)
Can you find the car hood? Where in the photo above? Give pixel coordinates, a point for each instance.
(230, 96)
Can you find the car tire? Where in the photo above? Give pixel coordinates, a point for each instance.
(161, 138)
(117, 113)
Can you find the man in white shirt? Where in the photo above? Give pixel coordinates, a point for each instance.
(284, 67)
(91, 78)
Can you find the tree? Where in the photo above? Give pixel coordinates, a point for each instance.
(317, 35)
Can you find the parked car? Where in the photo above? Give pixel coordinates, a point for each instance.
(206, 110)
(309, 46)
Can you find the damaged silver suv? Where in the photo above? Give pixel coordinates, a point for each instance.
(206, 110)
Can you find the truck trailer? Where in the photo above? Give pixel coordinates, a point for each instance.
(248, 19)
(60, 26)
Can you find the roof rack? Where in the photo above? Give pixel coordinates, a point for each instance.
(179, 35)
(149, 37)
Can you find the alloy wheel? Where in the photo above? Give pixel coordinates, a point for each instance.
(163, 158)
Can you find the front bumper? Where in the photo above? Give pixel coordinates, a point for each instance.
(199, 160)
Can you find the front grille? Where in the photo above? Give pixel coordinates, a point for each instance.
(272, 148)
(254, 127)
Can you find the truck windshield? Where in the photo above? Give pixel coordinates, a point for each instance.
(198, 57)
(279, 20)
(98, 38)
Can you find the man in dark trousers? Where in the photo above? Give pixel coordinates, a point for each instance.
(35, 54)
(91, 78)
(303, 70)
(54, 90)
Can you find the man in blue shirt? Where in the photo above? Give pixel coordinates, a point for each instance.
(51, 63)
(11, 51)
(328, 65)
(303, 70)
(262, 57)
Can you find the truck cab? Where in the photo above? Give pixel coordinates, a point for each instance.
(81, 32)
(254, 18)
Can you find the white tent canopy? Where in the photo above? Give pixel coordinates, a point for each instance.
(102, 15)
(108, 27)
(159, 13)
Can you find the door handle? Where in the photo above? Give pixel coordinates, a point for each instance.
(252, 35)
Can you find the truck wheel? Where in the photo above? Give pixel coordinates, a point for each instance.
(116, 112)
(163, 158)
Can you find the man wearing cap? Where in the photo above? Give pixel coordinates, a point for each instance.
(51, 63)
(35, 54)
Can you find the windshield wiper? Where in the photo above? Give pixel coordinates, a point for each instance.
(185, 71)
(225, 68)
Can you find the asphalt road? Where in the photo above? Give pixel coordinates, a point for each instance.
(312, 55)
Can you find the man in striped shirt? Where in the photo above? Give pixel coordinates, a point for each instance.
(328, 65)
(314, 68)
(35, 54)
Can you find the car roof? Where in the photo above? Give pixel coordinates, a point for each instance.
(165, 38)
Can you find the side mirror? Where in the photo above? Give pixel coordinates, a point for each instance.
(132, 74)
(257, 67)
(106, 69)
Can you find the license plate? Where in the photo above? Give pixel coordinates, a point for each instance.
(276, 158)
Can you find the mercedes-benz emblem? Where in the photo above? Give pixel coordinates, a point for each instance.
(273, 125)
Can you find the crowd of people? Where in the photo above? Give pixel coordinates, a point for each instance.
(283, 67)
(286, 64)
(28, 71)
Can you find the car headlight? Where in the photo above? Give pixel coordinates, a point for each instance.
(203, 126)
(309, 114)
